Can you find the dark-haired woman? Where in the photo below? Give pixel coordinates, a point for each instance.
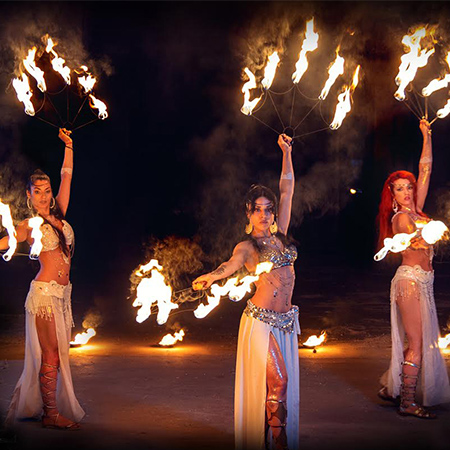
(45, 386)
(413, 310)
(267, 371)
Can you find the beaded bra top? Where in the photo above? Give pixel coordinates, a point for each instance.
(269, 251)
(50, 239)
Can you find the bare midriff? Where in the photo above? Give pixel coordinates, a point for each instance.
(53, 267)
(419, 257)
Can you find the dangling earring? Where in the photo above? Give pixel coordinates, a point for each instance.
(394, 205)
(273, 228)
(54, 203)
(29, 205)
(248, 228)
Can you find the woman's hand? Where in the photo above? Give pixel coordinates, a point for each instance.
(425, 128)
(64, 135)
(202, 282)
(285, 143)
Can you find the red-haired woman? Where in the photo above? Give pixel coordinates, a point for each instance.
(413, 310)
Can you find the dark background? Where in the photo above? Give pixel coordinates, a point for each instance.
(175, 157)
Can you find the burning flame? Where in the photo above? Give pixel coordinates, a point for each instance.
(437, 84)
(336, 69)
(433, 231)
(444, 342)
(314, 341)
(98, 104)
(33, 70)
(24, 94)
(168, 339)
(87, 82)
(344, 102)
(249, 106)
(443, 112)
(270, 70)
(36, 234)
(414, 59)
(234, 288)
(151, 290)
(310, 43)
(83, 338)
(57, 61)
(7, 222)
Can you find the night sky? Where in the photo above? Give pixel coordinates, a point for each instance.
(174, 159)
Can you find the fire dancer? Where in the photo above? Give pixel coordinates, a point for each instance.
(413, 309)
(48, 308)
(267, 369)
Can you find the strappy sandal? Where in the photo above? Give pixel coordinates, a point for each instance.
(276, 418)
(51, 421)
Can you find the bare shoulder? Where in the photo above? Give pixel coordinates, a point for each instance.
(402, 223)
(244, 247)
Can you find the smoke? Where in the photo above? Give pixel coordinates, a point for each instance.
(92, 319)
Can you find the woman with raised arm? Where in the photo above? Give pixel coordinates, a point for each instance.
(267, 372)
(413, 310)
(48, 307)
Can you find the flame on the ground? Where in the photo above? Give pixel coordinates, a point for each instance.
(34, 223)
(33, 70)
(169, 339)
(234, 288)
(444, 342)
(336, 69)
(83, 338)
(414, 58)
(310, 43)
(24, 93)
(153, 289)
(314, 341)
(99, 105)
(57, 61)
(270, 70)
(7, 222)
(249, 105)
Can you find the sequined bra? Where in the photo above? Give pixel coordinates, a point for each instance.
(280, 258)
(50, 240)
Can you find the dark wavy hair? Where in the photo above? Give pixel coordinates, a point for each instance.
(39, 175)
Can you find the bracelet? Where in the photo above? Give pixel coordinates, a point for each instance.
(68, 146)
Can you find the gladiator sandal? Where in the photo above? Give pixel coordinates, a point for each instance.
(276, 419)
(48, 381)
(408, 393)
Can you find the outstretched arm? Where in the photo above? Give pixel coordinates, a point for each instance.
(287, 183)
(240, 256)
(63, 196)
(425, 163)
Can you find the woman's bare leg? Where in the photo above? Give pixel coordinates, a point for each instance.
(48, 375)
(276, 375)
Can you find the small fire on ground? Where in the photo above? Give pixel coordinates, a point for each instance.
(83, 338)
(169, 339)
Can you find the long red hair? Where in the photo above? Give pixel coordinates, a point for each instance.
(385, 211)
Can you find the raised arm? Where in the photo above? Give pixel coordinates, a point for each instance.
(63, 196)
(287, 183)
(425, 163)
(238, 259)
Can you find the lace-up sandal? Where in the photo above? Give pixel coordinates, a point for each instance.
(408, 405)
(51, 418)
(276, 419)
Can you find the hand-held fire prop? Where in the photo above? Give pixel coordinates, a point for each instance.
(336, 69)
(77, 87)
(35, 223)
(7, 222)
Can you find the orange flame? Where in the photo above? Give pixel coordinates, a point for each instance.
(33, 70)
(83, 338)
(314, 341)
(437, 84)
(310, 43)
(99, 105)
(7, 222)
(444, 112)
(57, 61)
(34, 223)
(168, 339)
(444, 342)
(249, 106)
(24, 94)
(433, 231)
(270, 70)
(336, 69)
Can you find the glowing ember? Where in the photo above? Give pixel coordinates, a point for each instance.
(414, 59)
(168, 339)
(7, 222)
(83, 338)
(433, 231)
(57, 61)
(234, 288)
(314, 341)
(98, 104)
(270, 70)
(310, 43)
(249, 106)
(437, 84)
(152, 290)
(34, 223)
(24, 94)
(353, 191)
(444, 342)
(336, 69)
(33, 70)
(443, 112)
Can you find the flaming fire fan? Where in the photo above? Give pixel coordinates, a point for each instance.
(57, 95)
(288, 125)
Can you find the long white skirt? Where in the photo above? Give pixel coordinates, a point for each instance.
(433, 387)
(45, 300)
(250, 385)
